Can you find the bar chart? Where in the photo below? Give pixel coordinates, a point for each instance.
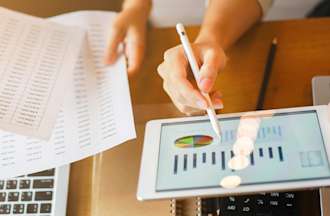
(265, 133)
(185, 162)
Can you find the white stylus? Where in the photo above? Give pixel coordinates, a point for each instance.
(195, 69)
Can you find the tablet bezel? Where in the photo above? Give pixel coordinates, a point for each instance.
(150, 154)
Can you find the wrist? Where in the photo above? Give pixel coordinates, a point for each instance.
(142, 7)
(211, 35)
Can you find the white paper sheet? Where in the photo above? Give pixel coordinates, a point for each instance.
(36, 58)
(96, 113)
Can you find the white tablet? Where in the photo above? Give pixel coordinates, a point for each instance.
(278, 150)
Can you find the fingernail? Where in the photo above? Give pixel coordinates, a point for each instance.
(205, 84)
(218, 106)
(201, 105)
(218, 103)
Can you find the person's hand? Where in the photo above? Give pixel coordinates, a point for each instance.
(175, 71)
(129, 28)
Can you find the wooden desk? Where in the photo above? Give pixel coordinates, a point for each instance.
(303, 52)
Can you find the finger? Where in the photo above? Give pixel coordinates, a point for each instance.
(117, 35)
(187, 109)
(135, 48)
(213, 61)
(216, 98)
(176, 62)
(187, 95)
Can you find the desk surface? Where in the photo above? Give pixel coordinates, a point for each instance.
(106, 184)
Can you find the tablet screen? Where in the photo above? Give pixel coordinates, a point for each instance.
(287, 147)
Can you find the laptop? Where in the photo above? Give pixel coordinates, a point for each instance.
(38, 194)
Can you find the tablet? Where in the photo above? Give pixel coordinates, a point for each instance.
(277, 150)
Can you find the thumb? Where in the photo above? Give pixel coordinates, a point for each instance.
(212, 63)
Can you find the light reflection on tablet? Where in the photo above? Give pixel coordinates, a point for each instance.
(247, 132)
(230, 182)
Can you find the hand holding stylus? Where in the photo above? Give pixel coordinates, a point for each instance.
(175, 72)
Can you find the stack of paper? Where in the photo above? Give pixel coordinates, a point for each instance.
(96, 113)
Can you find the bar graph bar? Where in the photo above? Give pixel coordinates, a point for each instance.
(204, 157)
(213, 158)
(185, 162)
(175, 164)
(223, 160)
(194, 160)
(251, 159)
(261, 152)
(280, 153)
(270, 151)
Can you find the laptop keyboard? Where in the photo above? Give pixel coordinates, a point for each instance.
(264, 204)
(29, 195)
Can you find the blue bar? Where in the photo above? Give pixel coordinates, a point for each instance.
(213, 157)
(185, 161)
(252, 159)
(175, 164)
(232, 137)
(279, 130)
(204, 157)
(269, 131)
(274, 130)
(263, 133)
(261, 152)
(280, 153)
(223, 160)
(226, 136)
(270, 151)
(194, 160)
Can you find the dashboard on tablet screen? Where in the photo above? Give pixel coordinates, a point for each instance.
(287, 147)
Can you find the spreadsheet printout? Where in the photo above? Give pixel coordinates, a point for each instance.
(96, 113)
(36, 60)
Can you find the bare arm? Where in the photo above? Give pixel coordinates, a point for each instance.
(226, 20)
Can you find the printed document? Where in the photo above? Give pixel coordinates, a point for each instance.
(96, 113)
(36, 60)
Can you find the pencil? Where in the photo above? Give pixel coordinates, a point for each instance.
(195, 70)
(267, 73)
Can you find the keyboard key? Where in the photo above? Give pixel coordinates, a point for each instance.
(18, 209)
(231, 208)
(13, 196)
(2, 196)
(50, 172)
(32, 208)
(5, 208)
(289, 195)
(24, 184)
(46, 208)
(11, 184)
(2, 184)
(43, 183)
(274, 195)
(246, 205)
(26, 196)
(43, 195)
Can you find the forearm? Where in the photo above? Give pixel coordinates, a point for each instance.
(226, 20)
(143, 6)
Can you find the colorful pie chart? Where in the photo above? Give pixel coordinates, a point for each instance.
(194, 141)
